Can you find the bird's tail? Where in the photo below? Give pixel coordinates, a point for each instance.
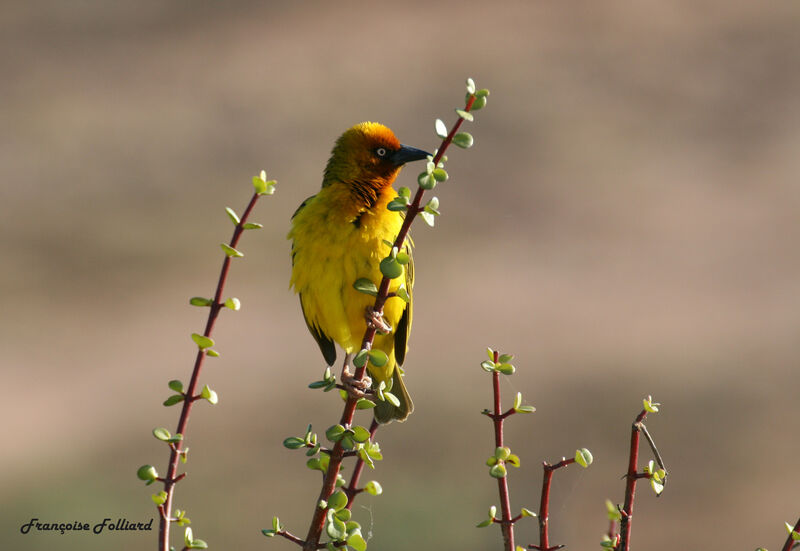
(385, 412)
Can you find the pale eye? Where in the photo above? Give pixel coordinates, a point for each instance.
(380, 152)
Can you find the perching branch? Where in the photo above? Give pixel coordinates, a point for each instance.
(190, 395)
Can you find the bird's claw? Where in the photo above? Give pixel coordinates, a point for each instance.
(357, 388)
(376, 321)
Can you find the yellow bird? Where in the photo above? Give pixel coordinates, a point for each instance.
(338, 236)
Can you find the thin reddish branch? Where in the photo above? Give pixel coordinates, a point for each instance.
(170, 479)
(352, 489)
(335, 463)
(630, 485)
(790, 543)
(506, 523)
(544, 504)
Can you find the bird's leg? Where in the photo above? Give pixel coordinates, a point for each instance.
(357, 388)
(375, 321)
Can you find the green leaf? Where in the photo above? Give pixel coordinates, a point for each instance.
(391, 268)
(505, 369)
(233, 216)
(252, 226)
(198, 544)
(391, 398)
(498, 471)
(162, 434)
(396, 205)
(463, 140)
(650, 406)
(583, 457)
(187, 537)
(364, 285)
(209, 395)
(440, 175)
(202, 341)
(404, 192)
(517, 400)
(335, 433)
(313, 451)
(505, 358)
(470, 86)
(441, 128)
(360, 359)
(334, 527)
(479, 103)
(337, 501)
(374, 451)
(233, 303)
(488, 366)
(230, 251)
(212, 353)
(513, 460)
(174, 399)
(433, 205)
(373, 487)
(613, 511)
(363, 403)
(344, 515)
(466, 115)
(525, 409)
(160, 498)
(482, 93)
(490, 353)
(294, 443)
(502, 453)
(426, 181)
(148, 473)
(403, 294)
(356, 541)
(200, 301)
(268, 533)
(403, 257)
(260, 183)
(360, 434)
(428, 218)
(527, 512)
(262, 186)
(175, 385)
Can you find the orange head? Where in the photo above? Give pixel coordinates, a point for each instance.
(370, 155)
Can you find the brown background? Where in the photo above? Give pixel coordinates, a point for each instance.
(626, 225)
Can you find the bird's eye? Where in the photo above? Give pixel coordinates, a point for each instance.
(380, 152)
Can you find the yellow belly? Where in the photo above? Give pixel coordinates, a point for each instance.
(330, 253)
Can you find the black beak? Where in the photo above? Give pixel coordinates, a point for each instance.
(406, 154)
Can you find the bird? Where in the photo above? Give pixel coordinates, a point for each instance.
(340, 235)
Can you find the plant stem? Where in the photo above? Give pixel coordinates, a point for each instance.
(630, 485)
(506, 524)
(172, 469)
(790, 543)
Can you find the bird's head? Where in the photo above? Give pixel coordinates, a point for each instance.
(368, 154)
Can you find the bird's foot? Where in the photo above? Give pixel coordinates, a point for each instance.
(357, 388)
(376, 321)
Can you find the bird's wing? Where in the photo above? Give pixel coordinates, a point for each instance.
(326, 344)
(404, 325)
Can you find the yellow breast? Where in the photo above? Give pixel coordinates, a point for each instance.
(334, 245)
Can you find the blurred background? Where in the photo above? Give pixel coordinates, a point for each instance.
(625, 224)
